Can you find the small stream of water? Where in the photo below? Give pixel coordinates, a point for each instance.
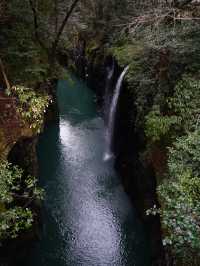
(88, 219)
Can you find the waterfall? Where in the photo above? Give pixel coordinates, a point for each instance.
(112, 113)
(107, 97)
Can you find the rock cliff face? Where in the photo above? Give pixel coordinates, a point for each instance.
(12, 129)
(138, 177)
(18, 144)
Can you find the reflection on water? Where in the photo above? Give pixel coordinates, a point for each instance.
(88, 219)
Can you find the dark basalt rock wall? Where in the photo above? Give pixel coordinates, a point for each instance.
(24, 155)
(138, 176)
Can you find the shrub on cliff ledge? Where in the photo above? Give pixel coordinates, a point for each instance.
(31, 106)
(17, 193)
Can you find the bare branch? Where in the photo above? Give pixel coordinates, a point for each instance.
(181, 4)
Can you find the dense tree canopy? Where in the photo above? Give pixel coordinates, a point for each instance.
(160, 40)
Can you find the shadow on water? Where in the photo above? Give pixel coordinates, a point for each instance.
(87, 217)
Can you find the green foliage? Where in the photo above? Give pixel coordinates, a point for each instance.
(159, 126)
(17, 193)
(180, 214)
(13, 221)
(180, 210)
(168, 108)
(24, 58)
(185, 102)
(175, 123)
(181, 115)
(126, 52)
(185, 155)
(164, 79)
(32, 106)
(14, 184)
(180, 200)
(170, 117)
(10, 181)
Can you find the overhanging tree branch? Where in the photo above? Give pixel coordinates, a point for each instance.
(36, 25)
(180, 4)
(60, 31)
(56, 16)
(51, 51)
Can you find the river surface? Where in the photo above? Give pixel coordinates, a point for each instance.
(88, 219)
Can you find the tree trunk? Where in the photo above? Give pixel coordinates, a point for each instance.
(4, 75)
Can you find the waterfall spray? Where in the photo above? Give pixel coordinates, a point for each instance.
(112, 113)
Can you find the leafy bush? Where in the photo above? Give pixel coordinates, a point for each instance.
(159, 126)
(180, 198)
(17, 193)
(182, 112)
(180, 216)
(185, 155)
(185, 102)
(32, 106)
(13, 221)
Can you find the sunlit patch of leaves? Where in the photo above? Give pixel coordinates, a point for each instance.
(31, 106)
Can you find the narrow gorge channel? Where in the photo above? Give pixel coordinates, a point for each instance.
(88, 218)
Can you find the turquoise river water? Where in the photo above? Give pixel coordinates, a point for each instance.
(88, 219)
